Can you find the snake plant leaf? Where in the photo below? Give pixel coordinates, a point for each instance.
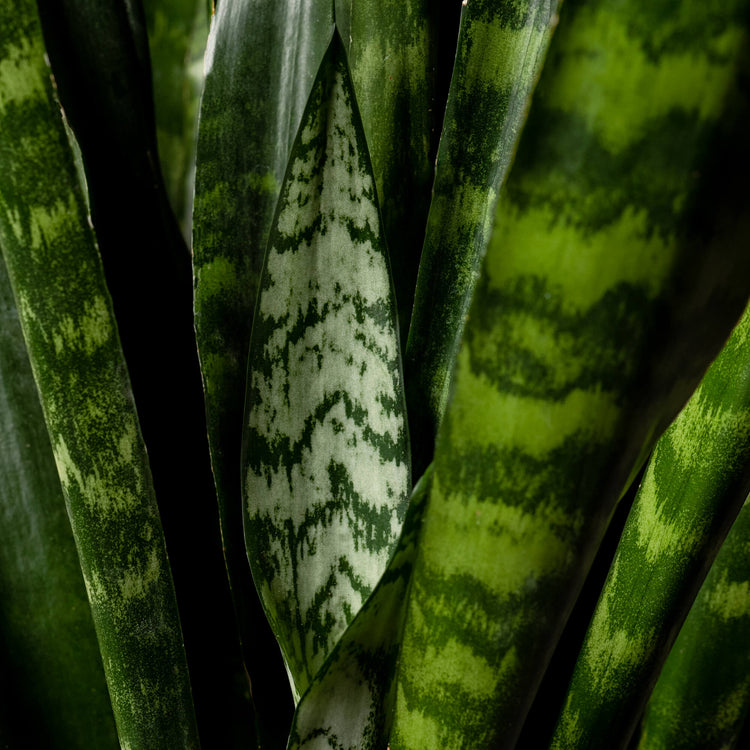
(349, 704)
(326, 456)
(99, 55)
(695, 483)
(71, 336)
(43, 605)
(616, 269)
(501, 48)
(177, 34)
(395, 50)
(702, 696)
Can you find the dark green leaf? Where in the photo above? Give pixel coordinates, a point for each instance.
(66, 317)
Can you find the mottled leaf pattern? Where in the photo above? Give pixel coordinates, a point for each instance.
(501, 48)
(326, 454)
(349, 705)
(260, 63)
(703, 693)
(177, 31)
(43, 605)
(70, 332)
(694, 486)
(617, 267)
(395, 50)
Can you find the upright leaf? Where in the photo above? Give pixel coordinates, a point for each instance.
(260, 62)
(100, 59)
(262, 59)
(617, 266)
(702, 697)
(71, 335)
(177, 32)
(500, 52)
(696, 481)
(326, 461)
(56, 696)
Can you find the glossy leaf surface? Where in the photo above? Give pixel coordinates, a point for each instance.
(260, 63)
(326, 459)
(66, 316)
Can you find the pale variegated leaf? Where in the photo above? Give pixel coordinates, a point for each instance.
(326, 453)
(350, 703)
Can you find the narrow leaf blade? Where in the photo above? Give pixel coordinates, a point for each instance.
(501, 48)
(349, 705)
(703, 693)
(74, 350)
(596, 314)
(56, 696)
(260, 62)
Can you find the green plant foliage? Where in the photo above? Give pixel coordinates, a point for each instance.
(504, 240)
(44, 606)
(75, 356)
(326, 453)
(177, 31)
(703, 694)
(696, 480)
(350, 702)
(500, 51)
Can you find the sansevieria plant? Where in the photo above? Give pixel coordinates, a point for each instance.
(374, 374)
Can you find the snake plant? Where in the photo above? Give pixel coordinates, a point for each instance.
(335, 334)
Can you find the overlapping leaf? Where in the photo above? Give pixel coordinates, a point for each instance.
(702, 697)
(694, 485)
(349, 705)
(616, 269)
(261, 61)
(326, 459)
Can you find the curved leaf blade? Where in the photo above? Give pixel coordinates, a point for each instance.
(71, 336)
(349, 705)
(394, 49)
(595, 316)
(326, 457)
(703, 693)
(261, 60)
(694, 485)
(177, 33)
